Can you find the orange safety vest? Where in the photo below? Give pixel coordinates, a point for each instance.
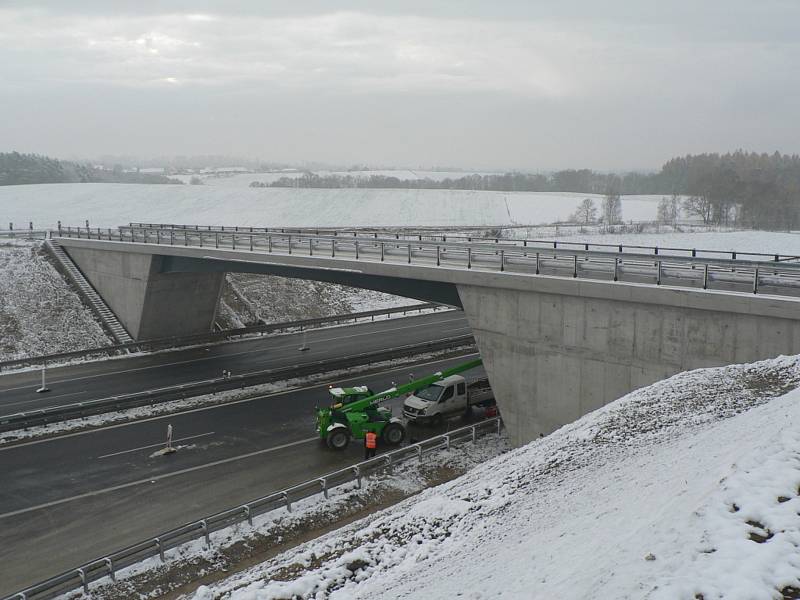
(371, 440)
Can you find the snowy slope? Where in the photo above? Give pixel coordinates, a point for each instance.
(685, 489)
(39, 312)
(109, 205)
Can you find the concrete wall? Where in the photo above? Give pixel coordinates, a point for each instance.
(150, 303)
(554, 357)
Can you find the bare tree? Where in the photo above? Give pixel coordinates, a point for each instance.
(700, 206)
(585, 213)
(668, 210)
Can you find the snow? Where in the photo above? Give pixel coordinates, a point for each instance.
(111, 204)
(39, 312)
(660, 494)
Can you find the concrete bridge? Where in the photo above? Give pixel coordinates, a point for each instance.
(562, 331)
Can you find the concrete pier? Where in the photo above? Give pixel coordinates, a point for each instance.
(149, 302)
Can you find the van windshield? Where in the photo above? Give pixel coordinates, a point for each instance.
(430, 393)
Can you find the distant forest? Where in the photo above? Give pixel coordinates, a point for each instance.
(18, 169)
(747, 189)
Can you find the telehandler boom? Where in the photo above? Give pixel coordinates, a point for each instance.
(350, 418)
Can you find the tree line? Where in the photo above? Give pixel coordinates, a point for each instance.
(19, 169)
(745, 189)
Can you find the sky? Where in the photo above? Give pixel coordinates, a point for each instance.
(529, 85)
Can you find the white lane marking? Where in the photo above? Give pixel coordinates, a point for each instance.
(321, 385)
(224, 356)
(183, 439)
(155, 478)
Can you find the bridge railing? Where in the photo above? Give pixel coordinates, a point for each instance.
(410, 234)
(109, 565)
(779, 275)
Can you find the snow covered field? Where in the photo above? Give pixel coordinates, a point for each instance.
(39, 312)
(684, 489)
(109, 205)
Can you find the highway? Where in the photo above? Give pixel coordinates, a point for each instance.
(102, 379)
(68, 499)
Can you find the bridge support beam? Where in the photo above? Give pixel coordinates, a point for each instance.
(149, 302)
(558, 350)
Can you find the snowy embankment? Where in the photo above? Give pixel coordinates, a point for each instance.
(685, 489)
(39, 312)
(110, 204)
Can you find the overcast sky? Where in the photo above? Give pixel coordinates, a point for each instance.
(499, 84)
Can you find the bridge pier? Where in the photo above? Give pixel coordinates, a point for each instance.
(149, 302)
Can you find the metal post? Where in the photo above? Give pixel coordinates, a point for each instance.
(44, 387)
(357, 471)
(658, 272)
(233, 240)
(324, 483)
(158, 236)
(474, 434)
(84, 583)
(185, 238)
(383, 251)
(537, 263)
(502, 260)
(288, 502)
(438, 258)
(251, 243)
(201, 239)
(469, 258)
(616, 269)
(269, 243)
(755, 281)
(290, 244)
(310, 247)
(409, 254)
(575, 266)
(160, 549)
(705, 276)
(356, 249)
(248, 515)
(333, 248)
(110, 566)
(204, 528)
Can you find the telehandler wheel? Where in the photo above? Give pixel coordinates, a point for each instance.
(393, 434)
(338, 439)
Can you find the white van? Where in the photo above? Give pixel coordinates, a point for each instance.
(449, 396)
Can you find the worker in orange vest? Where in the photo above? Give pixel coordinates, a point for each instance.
(370, 444)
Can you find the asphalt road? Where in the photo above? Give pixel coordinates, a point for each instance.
(107, 378)
(69, 499)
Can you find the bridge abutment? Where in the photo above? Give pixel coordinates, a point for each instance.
(556, 352)
(149, 302)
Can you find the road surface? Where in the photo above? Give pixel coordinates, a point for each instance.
(102, 379)
(69, 499)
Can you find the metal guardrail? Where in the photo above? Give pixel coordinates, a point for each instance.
(156, 344)
(780, 273)
(431, 235)
(109, 565)
(53, 414)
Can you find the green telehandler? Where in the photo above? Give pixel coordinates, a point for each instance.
(355, 411)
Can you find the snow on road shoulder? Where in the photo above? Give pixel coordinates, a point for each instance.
(633, 500)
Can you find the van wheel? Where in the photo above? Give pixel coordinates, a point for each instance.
(393, 434)
(338, 439)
